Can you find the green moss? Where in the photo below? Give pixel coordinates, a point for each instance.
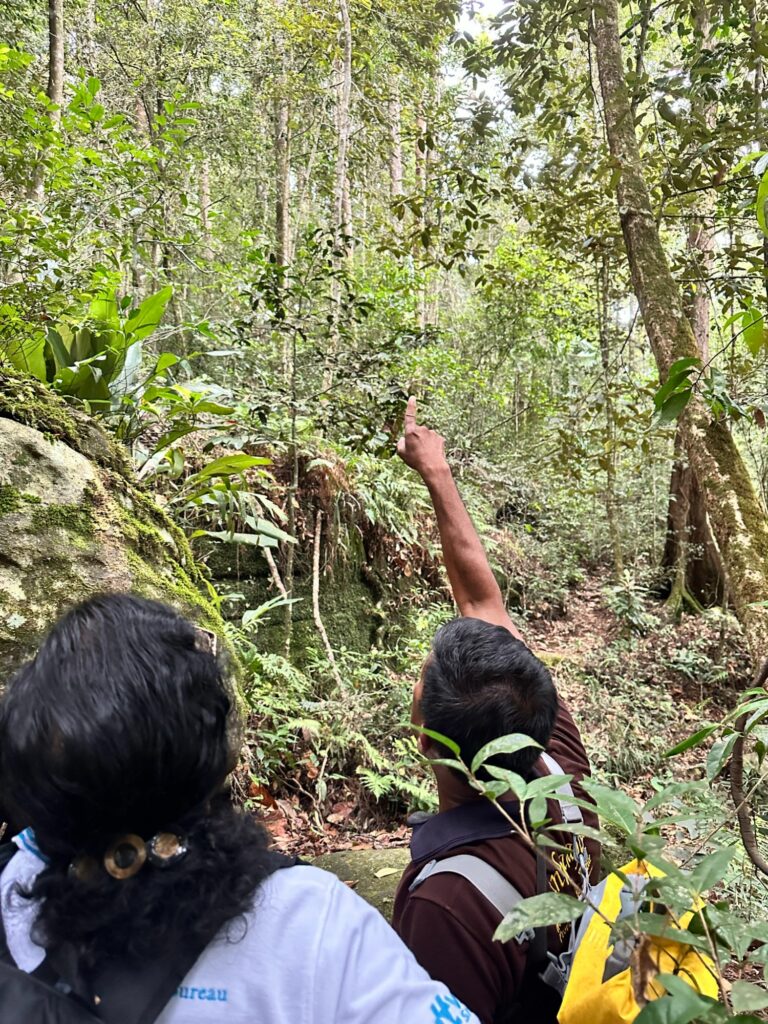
(25, 400)
(12, 500)
(75, 519)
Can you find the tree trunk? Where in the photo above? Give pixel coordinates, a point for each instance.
(611, 504)
(690, 554)
(341, 196)
(56, 58)
(395, 145)
(54, 90)
(734, 510)
(205, 209)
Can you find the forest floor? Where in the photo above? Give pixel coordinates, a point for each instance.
(633, 697)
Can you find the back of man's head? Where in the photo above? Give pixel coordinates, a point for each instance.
(481, 683)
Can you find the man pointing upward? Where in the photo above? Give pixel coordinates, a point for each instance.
(479, 682)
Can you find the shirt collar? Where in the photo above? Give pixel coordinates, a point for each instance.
(26, 841)
(472, 822)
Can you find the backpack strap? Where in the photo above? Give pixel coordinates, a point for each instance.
(572, 815)
(500, 893)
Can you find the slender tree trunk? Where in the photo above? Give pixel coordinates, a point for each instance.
(282, 177)
(611, 503)
(205, 208)
(737, 517)
(342, 210)
(56, 58)
(395, 144)
(54, 90)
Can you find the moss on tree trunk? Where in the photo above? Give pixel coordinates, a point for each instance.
(737, 517)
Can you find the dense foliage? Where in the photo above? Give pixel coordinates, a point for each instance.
(241, 234)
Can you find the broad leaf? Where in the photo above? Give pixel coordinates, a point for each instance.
(146, 319)
(503, 745)
(538, 912)
(613, 805)
(760, 204)
(673, 406)
(745, 997)
(228, 465)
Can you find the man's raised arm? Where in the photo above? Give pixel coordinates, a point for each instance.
(474, 586)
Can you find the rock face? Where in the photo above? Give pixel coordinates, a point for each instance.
(375, 873)
(72, 524)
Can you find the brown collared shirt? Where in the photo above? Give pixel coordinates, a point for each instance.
(449, 926)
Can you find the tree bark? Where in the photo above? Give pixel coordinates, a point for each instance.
(734, 510)
(56, 58)
(395, 146)
(342, 207)
(611, 504)
(690, 553)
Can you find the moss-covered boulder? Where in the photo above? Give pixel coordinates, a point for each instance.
(373, 874)
(72, 523)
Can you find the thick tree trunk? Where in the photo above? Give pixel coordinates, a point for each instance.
(690, 554)
(738, 519)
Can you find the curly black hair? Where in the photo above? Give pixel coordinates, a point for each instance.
(122, 723)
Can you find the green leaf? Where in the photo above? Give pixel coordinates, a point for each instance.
(760, 204)
(680, 1008)
(745, 997)
(718, 755)
(515, 783)
(538, 912)
(146, 319)
(753, 329)
(58, 348)
(104, 309)
(228, 465)
(439, 738)
(678, 375)
(692, 741)
(673, 406)
(613, 805)
(503, 745)
(711, 869)
(26, 353)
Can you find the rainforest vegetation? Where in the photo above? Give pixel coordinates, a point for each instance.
(236, 235)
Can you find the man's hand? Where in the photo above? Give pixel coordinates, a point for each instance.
(421, 448)
(475, 589)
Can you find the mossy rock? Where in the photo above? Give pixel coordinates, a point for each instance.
(72, 524)
(375, 873)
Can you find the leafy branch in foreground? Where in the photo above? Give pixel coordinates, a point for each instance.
(671, 918)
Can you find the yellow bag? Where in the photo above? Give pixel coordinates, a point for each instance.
(595, 976)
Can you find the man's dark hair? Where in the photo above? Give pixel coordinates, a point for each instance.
(122, 723)
(481, 683)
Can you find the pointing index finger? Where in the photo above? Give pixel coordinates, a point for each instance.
(410, 414)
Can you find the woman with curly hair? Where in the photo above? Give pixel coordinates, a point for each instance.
(137, 881)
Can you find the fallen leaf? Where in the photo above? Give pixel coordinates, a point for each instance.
(383, 872)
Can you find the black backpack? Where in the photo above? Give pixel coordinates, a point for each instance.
(55, 993)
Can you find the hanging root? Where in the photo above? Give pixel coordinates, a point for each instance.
(738, 793)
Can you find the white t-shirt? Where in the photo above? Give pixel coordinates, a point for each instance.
(310, 952)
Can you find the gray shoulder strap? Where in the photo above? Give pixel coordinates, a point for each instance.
(500, 893)
(571, 813)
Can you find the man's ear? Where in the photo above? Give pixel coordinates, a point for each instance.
(425, 745)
